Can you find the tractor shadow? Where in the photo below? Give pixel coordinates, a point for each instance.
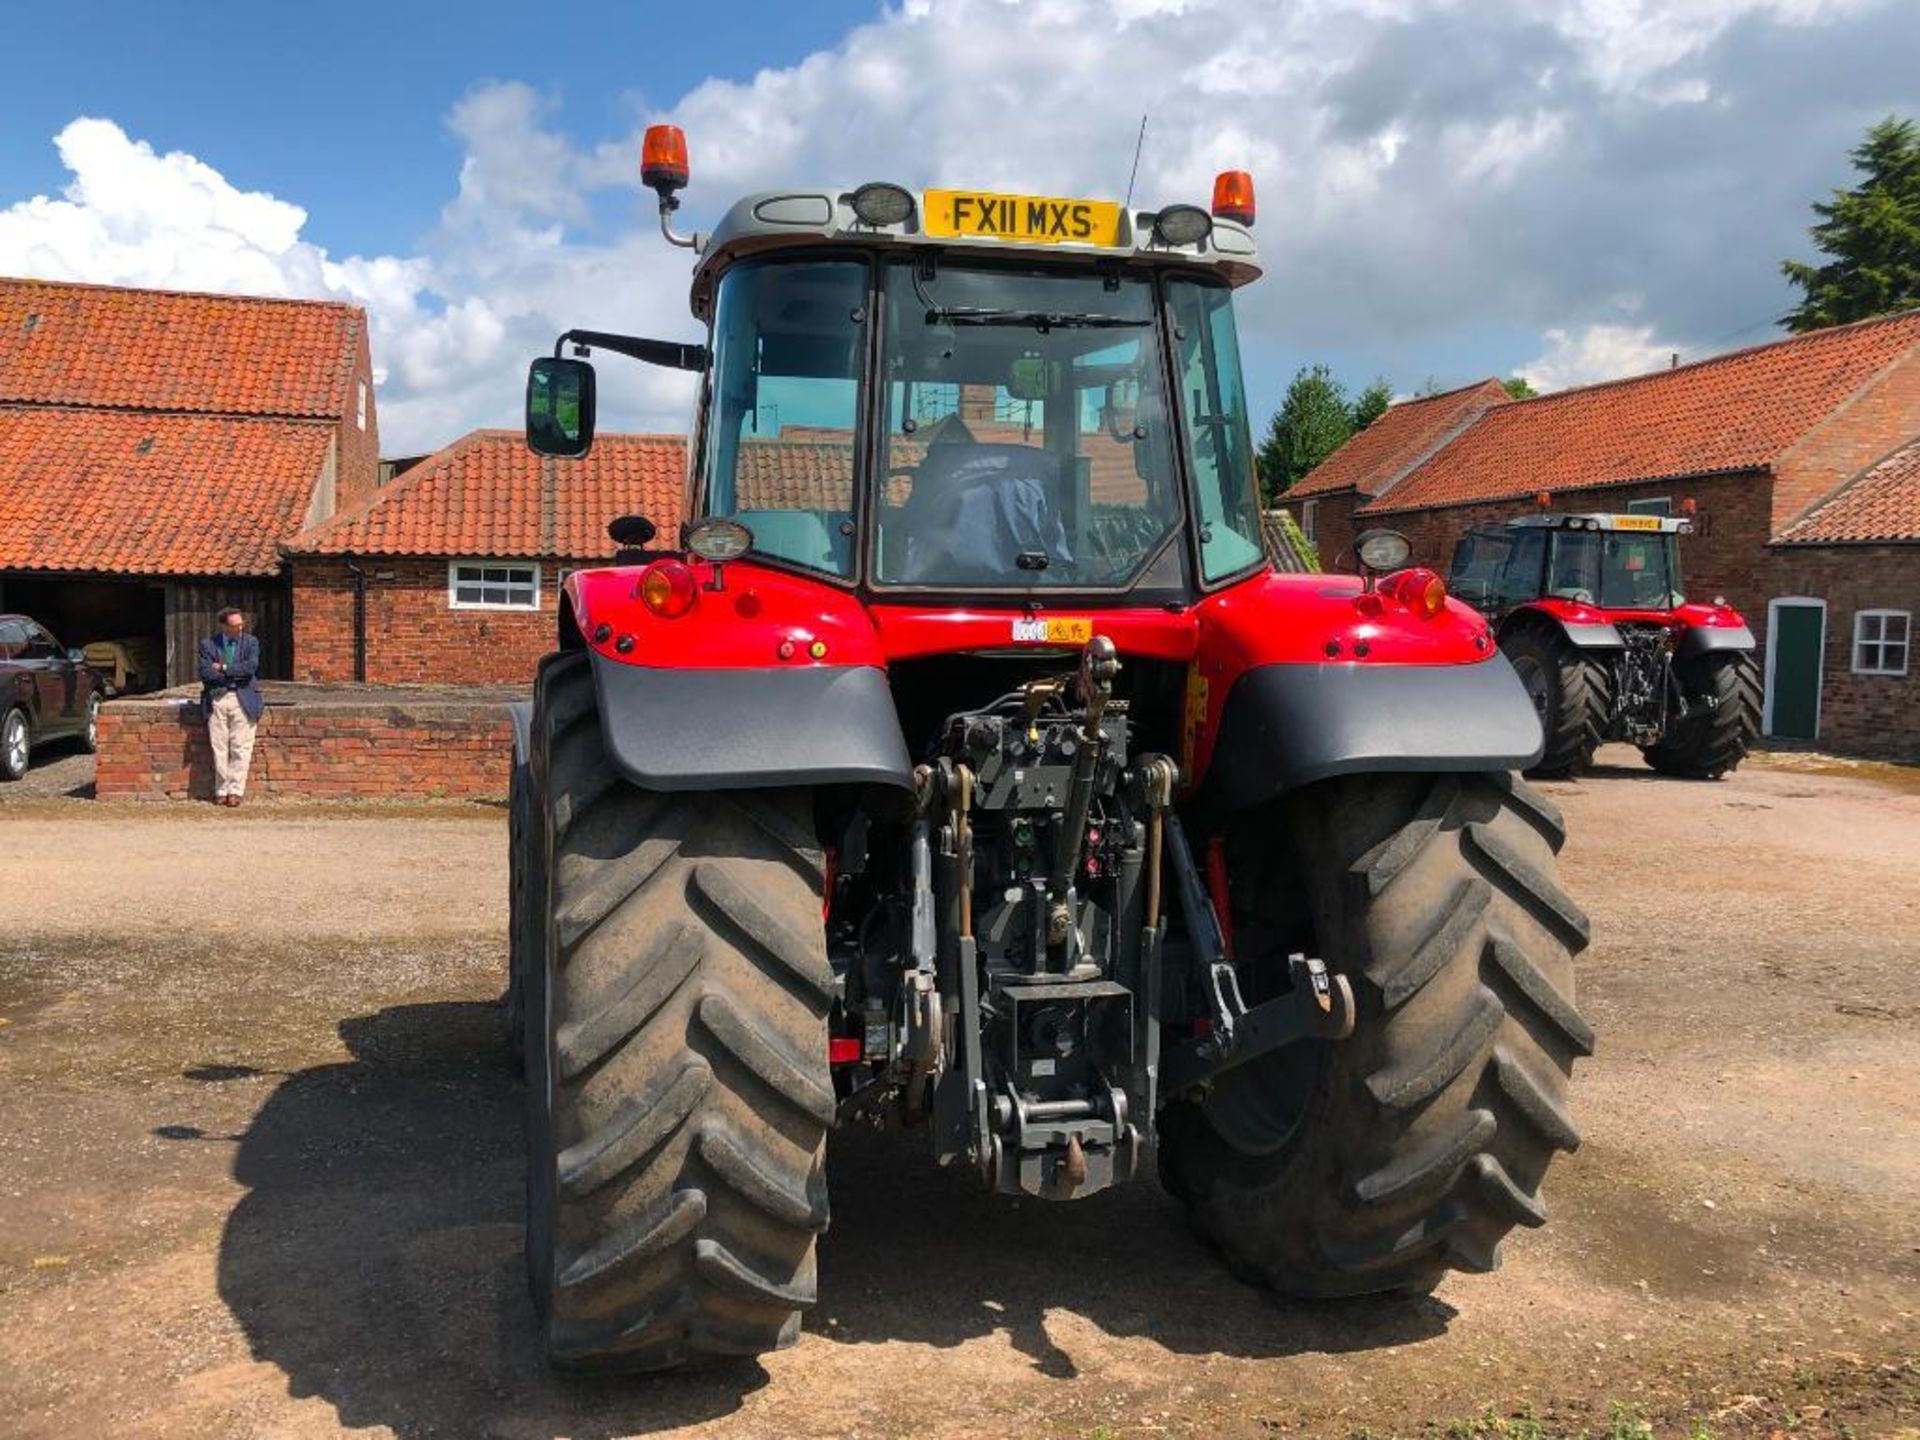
(375, 1257)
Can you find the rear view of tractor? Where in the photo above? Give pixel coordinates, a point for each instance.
(963, 768)
(1590, 610)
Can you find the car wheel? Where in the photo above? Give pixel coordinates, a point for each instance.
(16, 744)
(90, 736)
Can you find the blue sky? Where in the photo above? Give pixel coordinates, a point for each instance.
(1449, 188)
(341, 107)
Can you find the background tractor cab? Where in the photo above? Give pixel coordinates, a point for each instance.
(1592, 611)
(963, 767)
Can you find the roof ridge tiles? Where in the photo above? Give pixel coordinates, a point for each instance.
(1825, 333)
(239, 297)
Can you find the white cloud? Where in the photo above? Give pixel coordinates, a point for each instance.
(1594, 353)
(1427, 169)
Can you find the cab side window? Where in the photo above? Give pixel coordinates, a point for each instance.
(13, 640)
(1520, 581)
(40, 645)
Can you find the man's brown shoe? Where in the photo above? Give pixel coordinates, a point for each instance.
(233, 800)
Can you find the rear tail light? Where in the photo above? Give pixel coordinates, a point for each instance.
(668, 589)
(1421, 590)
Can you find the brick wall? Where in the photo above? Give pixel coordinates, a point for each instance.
(414, 636)
(359, 448)
(1726, 554)
(158, 750)
(1876, 715)
(1333, 527)
(1876, 421)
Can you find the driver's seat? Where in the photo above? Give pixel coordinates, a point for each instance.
(975, 508)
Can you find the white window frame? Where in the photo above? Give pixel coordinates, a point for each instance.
(1905, 642)
(1774, 606)
(454, 567)
(1645, 506)
(1307, 518)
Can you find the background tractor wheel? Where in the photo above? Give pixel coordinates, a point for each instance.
(1572, 692)
(1379, 1162)
(677, 1080)
(1708, 746)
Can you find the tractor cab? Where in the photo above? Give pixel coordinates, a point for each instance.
(1605, 562)
(954, 391)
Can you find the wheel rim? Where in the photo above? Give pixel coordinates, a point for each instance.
(16, 743)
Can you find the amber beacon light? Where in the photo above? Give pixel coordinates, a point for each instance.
(1233, 197)
(663, 159)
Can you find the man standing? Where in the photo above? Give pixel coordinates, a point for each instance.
(231, 702)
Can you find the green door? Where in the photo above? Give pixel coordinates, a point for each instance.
(1793, 682)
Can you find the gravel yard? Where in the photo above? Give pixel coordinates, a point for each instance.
(260, 1166)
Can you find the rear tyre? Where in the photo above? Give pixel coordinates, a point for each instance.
(16, 744)
(522, 923)
(677, 1079)
(1571, 691)
(1712, 744)
(1379, 1162)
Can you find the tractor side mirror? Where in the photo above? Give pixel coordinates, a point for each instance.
(76, 657)
(560, 404)
(635, 530)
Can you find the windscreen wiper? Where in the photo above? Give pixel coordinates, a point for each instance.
(1041, 320)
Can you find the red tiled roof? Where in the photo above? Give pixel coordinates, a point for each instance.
(1372, 461)
(1734, 412)
(101, 345)
(487, 495)
(1881, 503)
(125, 492)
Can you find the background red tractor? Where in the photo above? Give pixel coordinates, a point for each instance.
(964, 767)
(1591, 610)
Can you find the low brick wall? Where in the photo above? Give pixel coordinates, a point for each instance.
(330, 744)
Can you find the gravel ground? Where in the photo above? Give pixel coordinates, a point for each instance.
(260, 1171)
(60, 769)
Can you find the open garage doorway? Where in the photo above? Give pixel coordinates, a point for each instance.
(120, 623)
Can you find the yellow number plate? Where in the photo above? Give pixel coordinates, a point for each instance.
(1053, 632)
(1635, 522)
(1025, 219)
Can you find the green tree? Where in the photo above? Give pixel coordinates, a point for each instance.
(1371, 403)
(1313, 421)
(1518, 388)
(1871, 233)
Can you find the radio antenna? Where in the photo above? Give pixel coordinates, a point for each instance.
(1138, 146)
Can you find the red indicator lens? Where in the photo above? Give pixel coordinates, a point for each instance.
(668, 589)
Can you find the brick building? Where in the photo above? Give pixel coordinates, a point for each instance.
(1789, 454)
(1846, 583)
(156, 448)
(451, 573)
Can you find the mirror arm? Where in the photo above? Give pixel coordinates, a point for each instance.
(667, 353)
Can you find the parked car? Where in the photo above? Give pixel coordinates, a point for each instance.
(46, 693)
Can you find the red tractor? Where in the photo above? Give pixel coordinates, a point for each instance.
(1590, 610)
(964, 767)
